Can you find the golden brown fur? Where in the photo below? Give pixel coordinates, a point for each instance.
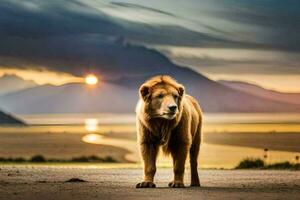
(168, 118)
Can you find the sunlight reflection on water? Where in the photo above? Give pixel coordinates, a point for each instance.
(91, 124)
(92, 138)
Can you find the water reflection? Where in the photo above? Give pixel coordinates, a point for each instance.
(92, 138)
(91, 124)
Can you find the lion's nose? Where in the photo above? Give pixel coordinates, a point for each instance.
(172, 108)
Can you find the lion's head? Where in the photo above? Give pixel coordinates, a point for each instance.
(162, 97)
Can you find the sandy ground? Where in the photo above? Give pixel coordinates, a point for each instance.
(49, 182)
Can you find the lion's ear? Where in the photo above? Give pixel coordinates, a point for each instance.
(181, 90)
(144, 91)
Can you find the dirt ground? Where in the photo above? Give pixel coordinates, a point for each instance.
(49, 182)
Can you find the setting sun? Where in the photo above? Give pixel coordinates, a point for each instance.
(91, 79)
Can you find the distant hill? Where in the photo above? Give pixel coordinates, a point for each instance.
(72, 98)
(115, 98)
(6, 119)
(293, 98)
(12, 83)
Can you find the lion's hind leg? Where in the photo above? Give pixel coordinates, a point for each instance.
(194, 152)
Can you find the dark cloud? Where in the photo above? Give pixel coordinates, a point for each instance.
(220, 66)
(135, 6)
(80, 54)
(52, 19)
(75, 37)
(277, 22)
(71, 17)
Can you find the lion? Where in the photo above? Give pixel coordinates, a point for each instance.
(170, 119)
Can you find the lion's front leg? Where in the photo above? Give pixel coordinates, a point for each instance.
(149, 154)
(179, 157)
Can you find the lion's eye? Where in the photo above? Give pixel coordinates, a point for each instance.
(160, 96)
(175, 96)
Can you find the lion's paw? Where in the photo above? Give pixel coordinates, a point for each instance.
(176, 184)
(145, 185)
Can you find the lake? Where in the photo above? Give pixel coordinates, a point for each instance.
(228, 138)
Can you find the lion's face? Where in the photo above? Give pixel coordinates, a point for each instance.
(162, 100)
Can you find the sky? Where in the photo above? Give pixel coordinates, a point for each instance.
(58, 41)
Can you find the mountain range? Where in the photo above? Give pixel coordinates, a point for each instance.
(293, 98)
(11, 83)
(120, 96)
